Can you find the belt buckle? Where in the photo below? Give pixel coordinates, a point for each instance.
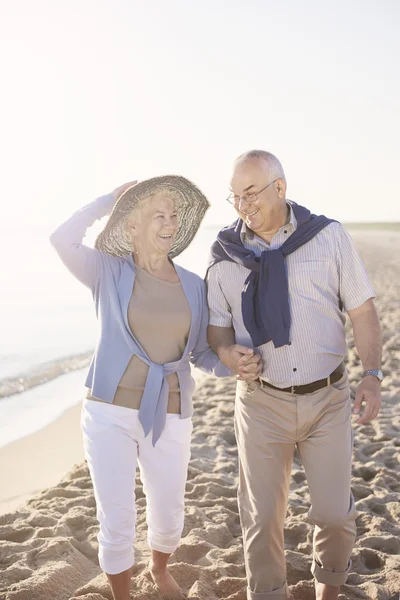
(292, 389)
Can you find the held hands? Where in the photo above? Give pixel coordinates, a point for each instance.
(369, 391)
(243, 361)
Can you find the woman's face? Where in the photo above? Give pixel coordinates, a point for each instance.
(154, 225)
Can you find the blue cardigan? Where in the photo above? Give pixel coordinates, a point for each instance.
(111, 281)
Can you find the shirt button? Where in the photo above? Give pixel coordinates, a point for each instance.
(294, 369)
(285, 231)
(289, 343)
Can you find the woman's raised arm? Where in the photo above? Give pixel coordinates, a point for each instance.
(83, 262)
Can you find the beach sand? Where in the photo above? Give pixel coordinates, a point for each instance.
(48, 546)
(38, 461)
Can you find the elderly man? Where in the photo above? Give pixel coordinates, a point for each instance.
(279, 281)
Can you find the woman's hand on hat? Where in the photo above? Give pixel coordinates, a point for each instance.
(117, 193)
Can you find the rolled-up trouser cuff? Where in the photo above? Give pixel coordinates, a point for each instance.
(329, 577)
(161, 547)
(115, 561)
(279, 594)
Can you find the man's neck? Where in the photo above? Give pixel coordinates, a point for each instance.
(281, 220)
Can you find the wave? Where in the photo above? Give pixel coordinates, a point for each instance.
(44, 373)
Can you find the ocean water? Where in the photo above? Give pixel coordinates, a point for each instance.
(23, 414)
(47, 322)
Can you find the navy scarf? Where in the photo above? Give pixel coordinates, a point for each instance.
(265, 297)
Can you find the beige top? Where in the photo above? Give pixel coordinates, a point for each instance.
(159, 317)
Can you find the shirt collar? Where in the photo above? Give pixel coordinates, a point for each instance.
(291, 225)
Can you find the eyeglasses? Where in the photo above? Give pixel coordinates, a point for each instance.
(235, 200)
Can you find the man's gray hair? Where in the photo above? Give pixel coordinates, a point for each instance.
(272, 164)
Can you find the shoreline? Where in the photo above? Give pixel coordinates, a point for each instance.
(44, 373)
(29, 412)
(39, 460)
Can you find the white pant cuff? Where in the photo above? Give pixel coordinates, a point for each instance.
(112, 565)
(166, 549)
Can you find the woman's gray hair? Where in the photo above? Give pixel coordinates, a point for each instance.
(272, 164)
(145, 200)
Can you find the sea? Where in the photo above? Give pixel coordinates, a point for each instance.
(48, 328)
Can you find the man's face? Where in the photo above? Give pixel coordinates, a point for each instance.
(248, 179)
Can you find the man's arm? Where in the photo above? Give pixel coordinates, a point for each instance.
(238, 358)
(368, 341)
(221, 336)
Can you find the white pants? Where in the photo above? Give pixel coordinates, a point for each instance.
(114, 443)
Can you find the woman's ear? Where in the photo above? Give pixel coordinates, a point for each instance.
(131, 229)
(131, 226)
(133, 222)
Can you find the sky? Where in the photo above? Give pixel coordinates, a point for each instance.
(100, 92)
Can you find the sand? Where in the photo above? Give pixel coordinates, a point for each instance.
(39, 460)
(48, 546)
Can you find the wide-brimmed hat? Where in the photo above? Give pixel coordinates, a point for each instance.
(191, 205)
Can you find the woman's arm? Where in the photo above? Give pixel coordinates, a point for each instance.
(202, 356)
(246, 368)
(83, 262)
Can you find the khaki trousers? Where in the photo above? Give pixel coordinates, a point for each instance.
(269, 424)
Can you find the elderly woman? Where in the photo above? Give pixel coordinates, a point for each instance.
(153, 318)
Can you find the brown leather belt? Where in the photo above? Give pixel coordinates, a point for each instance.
(309, 388)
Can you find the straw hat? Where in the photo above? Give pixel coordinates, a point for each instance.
(190, 202)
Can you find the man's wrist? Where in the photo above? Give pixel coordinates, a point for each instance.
(223, 353)
(376, 373)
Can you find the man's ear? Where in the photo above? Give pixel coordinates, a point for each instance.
(281, 188)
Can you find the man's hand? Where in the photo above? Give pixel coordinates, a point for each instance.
(369, 391)
(368, 341)
(243, 361)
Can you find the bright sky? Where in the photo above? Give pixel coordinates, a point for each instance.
(99, 92)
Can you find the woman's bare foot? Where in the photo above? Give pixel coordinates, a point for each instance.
(165, 582)
(326, 592)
